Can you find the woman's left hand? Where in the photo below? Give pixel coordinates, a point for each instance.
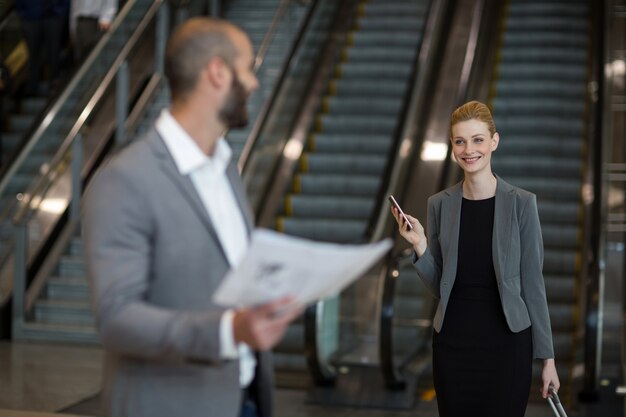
(549, 377)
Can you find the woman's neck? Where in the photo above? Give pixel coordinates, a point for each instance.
(479, 186)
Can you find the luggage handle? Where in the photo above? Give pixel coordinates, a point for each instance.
(555, 402)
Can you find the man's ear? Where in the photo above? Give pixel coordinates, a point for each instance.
(217, 72)
(495, 140)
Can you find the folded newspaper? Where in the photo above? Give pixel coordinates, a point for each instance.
(278, 265)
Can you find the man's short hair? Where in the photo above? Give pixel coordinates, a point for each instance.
(191, 46)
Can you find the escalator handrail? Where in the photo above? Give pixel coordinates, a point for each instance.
(595, 208)
(263, 116)
(31, 201)
(10, 170)
(413, 102)
(391, 372)
(269, 35)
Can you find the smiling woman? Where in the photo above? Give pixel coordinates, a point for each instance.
(482, 257)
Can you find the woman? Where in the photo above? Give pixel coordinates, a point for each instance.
(483, 259)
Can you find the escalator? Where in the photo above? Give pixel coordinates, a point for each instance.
(328, 185)
(32, 183)
(255, 17)
(341, 170)
(24, 113)
(57, 305)
(532, 68)
(540, 108)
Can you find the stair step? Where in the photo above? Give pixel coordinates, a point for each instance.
(62, 288)
(63, 312)
(65, 333)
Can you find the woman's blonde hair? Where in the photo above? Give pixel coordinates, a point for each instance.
(473, 110)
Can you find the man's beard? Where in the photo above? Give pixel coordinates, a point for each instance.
(234, 113)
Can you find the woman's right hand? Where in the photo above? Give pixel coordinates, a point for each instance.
(416, 236)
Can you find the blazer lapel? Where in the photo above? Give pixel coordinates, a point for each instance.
(502, 219)
(185, 186)
(450, 227)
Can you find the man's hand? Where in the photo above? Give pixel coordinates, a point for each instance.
(104, 25)
(262, 327)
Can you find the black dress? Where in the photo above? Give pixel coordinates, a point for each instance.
(480, 367)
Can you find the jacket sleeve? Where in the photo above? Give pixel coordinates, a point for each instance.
(108, 11)
(428, 265)
(531, 276)
(118, 228)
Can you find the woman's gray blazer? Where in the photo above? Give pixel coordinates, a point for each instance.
(517, 259)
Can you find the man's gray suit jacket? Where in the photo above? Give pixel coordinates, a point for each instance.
(154, 261)
(517, 259)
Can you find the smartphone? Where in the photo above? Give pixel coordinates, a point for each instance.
(397, 206)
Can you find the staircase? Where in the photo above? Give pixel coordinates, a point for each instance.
(539, 109)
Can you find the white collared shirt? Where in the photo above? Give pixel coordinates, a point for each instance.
(208, 175)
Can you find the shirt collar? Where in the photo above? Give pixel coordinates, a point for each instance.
(187, 155)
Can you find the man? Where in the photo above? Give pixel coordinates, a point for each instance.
(89, 19)
(42, 24)
(163, 222)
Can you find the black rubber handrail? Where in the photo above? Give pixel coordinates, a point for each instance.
(593, 223)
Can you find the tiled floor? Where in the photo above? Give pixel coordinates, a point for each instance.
(38, 379)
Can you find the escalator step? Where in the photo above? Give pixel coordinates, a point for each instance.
(328, 230)
(547, 39)
(356, 55)
(552, 9)
(328, 184)
(539, 54)
(562, 189)
(548, 146)
(356, 70)
(518, 71)
(339, 207)
(318, 162)
(543, 88)
(366, 88)
(343, 105)
(394, 23)
(560, 24)
(538, 124)
(366, 143)
(545, 106)
(537, 166)
(346, 123)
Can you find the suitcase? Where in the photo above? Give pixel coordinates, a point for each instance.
(555, 403)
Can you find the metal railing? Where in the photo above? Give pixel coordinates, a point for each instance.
(157, 16)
